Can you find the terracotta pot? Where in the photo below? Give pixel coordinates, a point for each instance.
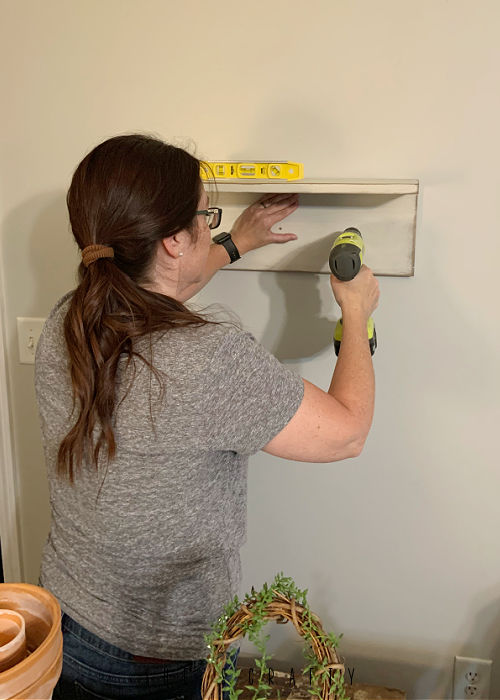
(12, 639)
(36, 675)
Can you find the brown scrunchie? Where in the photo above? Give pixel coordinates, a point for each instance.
(93, 252)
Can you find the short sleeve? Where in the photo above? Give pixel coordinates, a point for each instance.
(250, 396)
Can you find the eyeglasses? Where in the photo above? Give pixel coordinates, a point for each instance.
(213, 214)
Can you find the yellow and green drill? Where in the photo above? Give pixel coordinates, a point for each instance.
(346, 258)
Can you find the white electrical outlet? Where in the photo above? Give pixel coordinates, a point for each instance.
(28, 332)
(471, 678)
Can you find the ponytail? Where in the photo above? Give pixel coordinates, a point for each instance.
(127, 195)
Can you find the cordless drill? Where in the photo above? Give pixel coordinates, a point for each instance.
(346, 258)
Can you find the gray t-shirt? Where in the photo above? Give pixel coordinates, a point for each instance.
(145, 552)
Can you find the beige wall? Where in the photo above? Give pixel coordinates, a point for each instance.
(399, 547)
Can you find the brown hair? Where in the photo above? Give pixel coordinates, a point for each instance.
(129, 193)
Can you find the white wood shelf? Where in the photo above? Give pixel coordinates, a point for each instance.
(383, 210)
(320, 186)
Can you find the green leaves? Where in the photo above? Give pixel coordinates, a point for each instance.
(281, 590)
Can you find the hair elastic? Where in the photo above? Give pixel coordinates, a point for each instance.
(93, 252)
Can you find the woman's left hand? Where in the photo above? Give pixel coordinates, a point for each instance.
(252, 229)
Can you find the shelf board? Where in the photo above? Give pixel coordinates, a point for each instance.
(321, 186)
(383, 210)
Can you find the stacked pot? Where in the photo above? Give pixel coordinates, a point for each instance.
(30, 642)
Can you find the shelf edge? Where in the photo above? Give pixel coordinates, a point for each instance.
(322, 187)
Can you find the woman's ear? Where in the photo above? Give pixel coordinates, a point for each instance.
(175, 245)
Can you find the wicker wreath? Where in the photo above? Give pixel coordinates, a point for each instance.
(282, 609)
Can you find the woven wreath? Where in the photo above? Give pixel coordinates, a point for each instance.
(282, 602)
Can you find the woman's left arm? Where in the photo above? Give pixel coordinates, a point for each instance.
(252, 229)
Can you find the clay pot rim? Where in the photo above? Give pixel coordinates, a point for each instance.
(54, 608)
(21, 634)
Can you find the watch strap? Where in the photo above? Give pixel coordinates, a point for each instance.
(228, 243)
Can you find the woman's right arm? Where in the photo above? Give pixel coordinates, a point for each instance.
(333, 425)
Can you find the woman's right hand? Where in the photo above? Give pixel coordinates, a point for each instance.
(359, 294)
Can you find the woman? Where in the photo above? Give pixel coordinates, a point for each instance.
(149, 412)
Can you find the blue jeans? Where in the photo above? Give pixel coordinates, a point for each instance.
(92, 668)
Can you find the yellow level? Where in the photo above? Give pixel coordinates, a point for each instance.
(282, 170)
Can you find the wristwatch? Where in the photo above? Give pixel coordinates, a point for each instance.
(228, 243)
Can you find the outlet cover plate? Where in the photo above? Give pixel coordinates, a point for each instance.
(471, 678)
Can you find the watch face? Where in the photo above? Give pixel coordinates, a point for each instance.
(221, 237)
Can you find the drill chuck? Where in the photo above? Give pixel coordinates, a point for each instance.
(346, 255)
